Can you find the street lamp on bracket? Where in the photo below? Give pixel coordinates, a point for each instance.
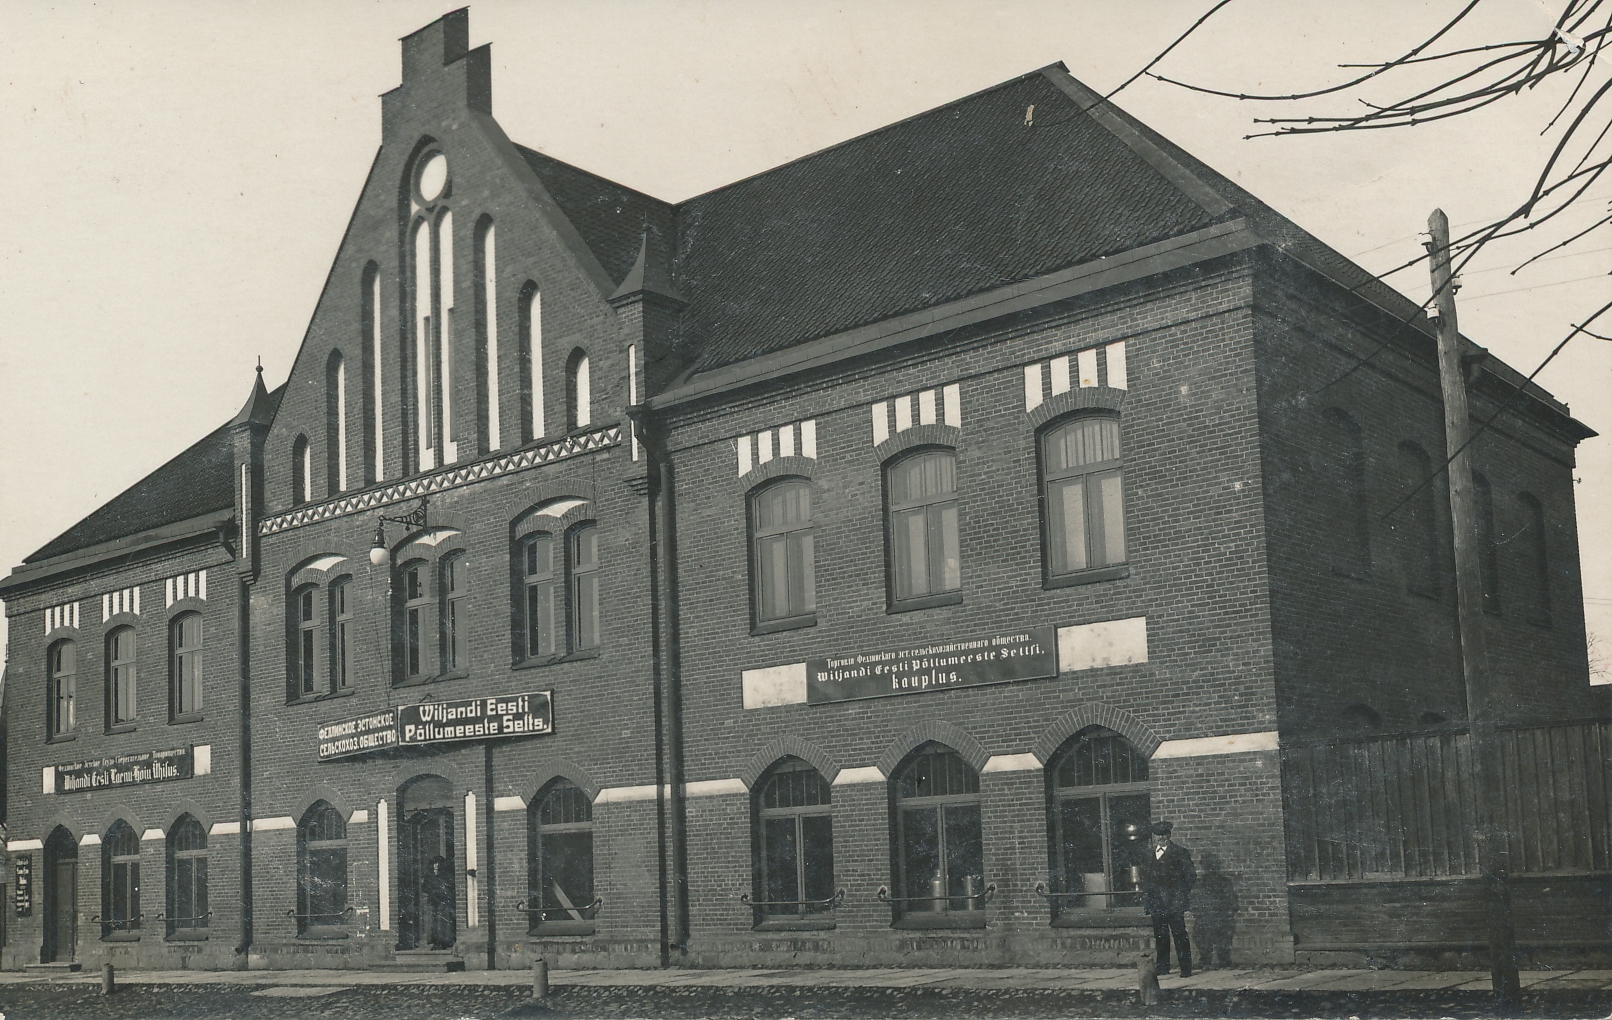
(414, 520)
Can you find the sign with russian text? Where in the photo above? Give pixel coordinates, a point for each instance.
(23, 868)
(358, 736)
(1031, 654)
(442, 722)
(125, 770)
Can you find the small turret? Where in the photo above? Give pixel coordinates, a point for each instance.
(247, 434)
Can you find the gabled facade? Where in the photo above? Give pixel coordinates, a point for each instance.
(842, 566)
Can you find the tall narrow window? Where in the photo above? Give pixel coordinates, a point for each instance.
(1083, 496)
(578, 391)
(321, 871)
(341, 643)
(538, 559)
(1341, 458)
(186, 671)
(417, 622)
(559, 836)
(374, 427)
(487, 317)
(584, 587)
(1488, 550)
(1416, 521)
(336, 423)
(940, 856)
(120, 667)
(1097, 790)
(781, 564)
(1536, 567)
(794, 844)
(921, 494)
(455, 626)
(445, 296)
(425, 406)
(305, 646)
(301, 471)
(120, 880)
(531, 342)
(187, 879)
(62, 661)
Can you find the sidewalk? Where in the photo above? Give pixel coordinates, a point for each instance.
(1269, 979)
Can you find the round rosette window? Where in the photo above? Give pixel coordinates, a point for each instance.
(431, 181)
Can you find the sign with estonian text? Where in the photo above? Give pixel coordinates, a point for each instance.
(358, 736)
(939, 665)
(442, 722)
(125, 770)
(23, 868)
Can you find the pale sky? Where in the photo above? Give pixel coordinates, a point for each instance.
(182, 172)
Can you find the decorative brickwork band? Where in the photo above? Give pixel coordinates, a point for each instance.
(414, 488)
(125, 600)
(64, 615)
(1095, 713)
(799, 440)
(1094, 366)
(953, 736)
(186, 586)
(926, 407)
(803, 749)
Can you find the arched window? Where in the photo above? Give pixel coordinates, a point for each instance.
(418, 623)
(1083, 496)
(301, 471)
(307, 641)
(431, 297)
(487, 417)
(185, 669)
(1536, 566)
(921, 512)
(584, 586)
(939, 853)
(187, 912)
(455, 621)
(537, 558)
(120, 880)
(321, 871)
(120, 676)
(559, 832)
(781, 570)
(370, 343)
(62, 667)
(1346, 512)
(341, 644)
(531, 343)
(1488, 550)
(578, 391)
(1097, 793)
(1417, 523)
(335, 423)
(793, 844)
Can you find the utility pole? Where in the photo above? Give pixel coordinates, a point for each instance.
(1493, 848)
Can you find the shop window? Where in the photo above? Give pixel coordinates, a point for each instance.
(939, 853)
(120, 677)
(185, 670)
(782, 569)
(1417, 522)
(62, 665)
(793, 846)
(120, 882)
(559, 831)
(455, 622)
(307, 650)
(187, 912)
(584, 586)
(1083, 499)
(921, 512)
(1341, 463)
(322, 872)
(1097, 792)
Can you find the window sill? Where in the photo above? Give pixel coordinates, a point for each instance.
(796, 924)
(122, 727)
(323, 934)
(188, 936)
(791, 623)
(945, 598)
(554, 660)
(1092, 576)
(185, 720)
(548, 928)
(61, 738)
(949, 919)
(121, 936)
(452, 674)
(1122, 917)
(306, 699)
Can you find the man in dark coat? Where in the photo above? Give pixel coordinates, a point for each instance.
(1167, 881)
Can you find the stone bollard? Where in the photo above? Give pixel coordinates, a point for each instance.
(108, 979)
(540, 979)
(1147, 982)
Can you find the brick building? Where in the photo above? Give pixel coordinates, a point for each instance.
(845, 565)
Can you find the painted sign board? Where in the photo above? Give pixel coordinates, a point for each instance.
(22, 870)
(1031, 654)
(439, 722)
(375, 732)
(125, 770)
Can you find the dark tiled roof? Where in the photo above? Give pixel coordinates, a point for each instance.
(609, 217)
(196, 482)
(958, 200)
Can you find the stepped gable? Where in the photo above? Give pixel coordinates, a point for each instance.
(196, 482)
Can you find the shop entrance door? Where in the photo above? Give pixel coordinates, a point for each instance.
(61, 898)
(427, 883)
